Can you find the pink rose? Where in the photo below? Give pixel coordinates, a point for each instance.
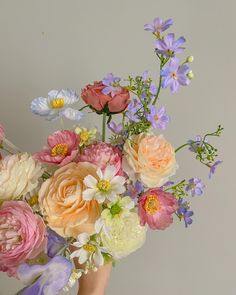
(156, 208)
(62, 148)
(22, 235)
(93, 96)
(101, 154)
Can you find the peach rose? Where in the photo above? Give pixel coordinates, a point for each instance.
(150, 159)
(62, 204)
(93, 96)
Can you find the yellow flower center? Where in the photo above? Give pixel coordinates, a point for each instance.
(104, 185)
(60, 149)
(84, 135)
(33, 200)
(152, 204)
(57, 103)
(89, 248)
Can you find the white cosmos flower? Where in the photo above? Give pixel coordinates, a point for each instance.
(89, 250)
(57, 104)
(108, 186)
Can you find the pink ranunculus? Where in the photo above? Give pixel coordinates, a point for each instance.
(2, 133)
(22, 235)
(102, 154)
(93, 96)
(62, 148)
(156, 208)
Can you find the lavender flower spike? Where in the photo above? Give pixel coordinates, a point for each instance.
(168, 46)
(158, 26)
(116, 128)
(174, 75)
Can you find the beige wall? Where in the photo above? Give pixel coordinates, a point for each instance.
(55, 44)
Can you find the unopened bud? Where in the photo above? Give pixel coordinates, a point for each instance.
(190, 59)
(190, 75)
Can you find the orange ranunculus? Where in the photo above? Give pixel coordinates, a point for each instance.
(93, 96)
(62, 204)
(150, 159)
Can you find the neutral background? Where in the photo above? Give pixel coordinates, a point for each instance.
(49, 44)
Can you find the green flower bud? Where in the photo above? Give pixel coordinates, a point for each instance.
(190, 59)
(190, 75)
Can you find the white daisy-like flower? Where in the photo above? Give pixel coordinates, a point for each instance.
(107, 186)
(89, 250)
(57, 104)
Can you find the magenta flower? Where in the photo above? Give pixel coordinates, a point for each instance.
(101, 154)
(158, 119)
(168, 46)
(174, 75)
(158, 25)
(62, 148)
(156, 208)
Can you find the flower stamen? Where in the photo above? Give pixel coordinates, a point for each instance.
(89, 248)
(104, 185)
(60, 149)
(152, 204)
(57, 103)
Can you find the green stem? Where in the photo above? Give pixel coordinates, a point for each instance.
(182, 146)
(84, 107)
(104, 127)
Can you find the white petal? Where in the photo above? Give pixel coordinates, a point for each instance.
(89, 194)
(83, 238)
(52, 94)
(83, 256)
(98, 258)
(112, 197)
(90, 181)
(100, 197)
(109, 172)
(40, 106)
(118, 189)
(98, 225)
(100, 174)
(76, 253)
(120, 180)
(69, 95)
(72, 114)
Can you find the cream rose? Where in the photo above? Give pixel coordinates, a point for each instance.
(19, 175)
(62, 204)
(150, 159)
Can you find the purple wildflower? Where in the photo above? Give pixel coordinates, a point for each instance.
(213, 168)
(133, 190)
(168, 46)
(158, 119)
(132, 109)
(195, 187)
(153, 89)
(195, 144)
(145, 75)
(55, 243)
(174, 75)
(116, 128)
(112, 85)
(158, 25)
(49, 278)
(168, 183)
(184, 213)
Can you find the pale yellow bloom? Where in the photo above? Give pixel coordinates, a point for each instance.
(87, 136)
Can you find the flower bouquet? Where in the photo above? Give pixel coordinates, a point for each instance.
(90, 199)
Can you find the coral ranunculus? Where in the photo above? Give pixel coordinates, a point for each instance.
(22, 235)
(150, 159)
(62, 148)
(19, 175)
(93, 96)
(62, 203)
(101, 154)
(156, 208)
